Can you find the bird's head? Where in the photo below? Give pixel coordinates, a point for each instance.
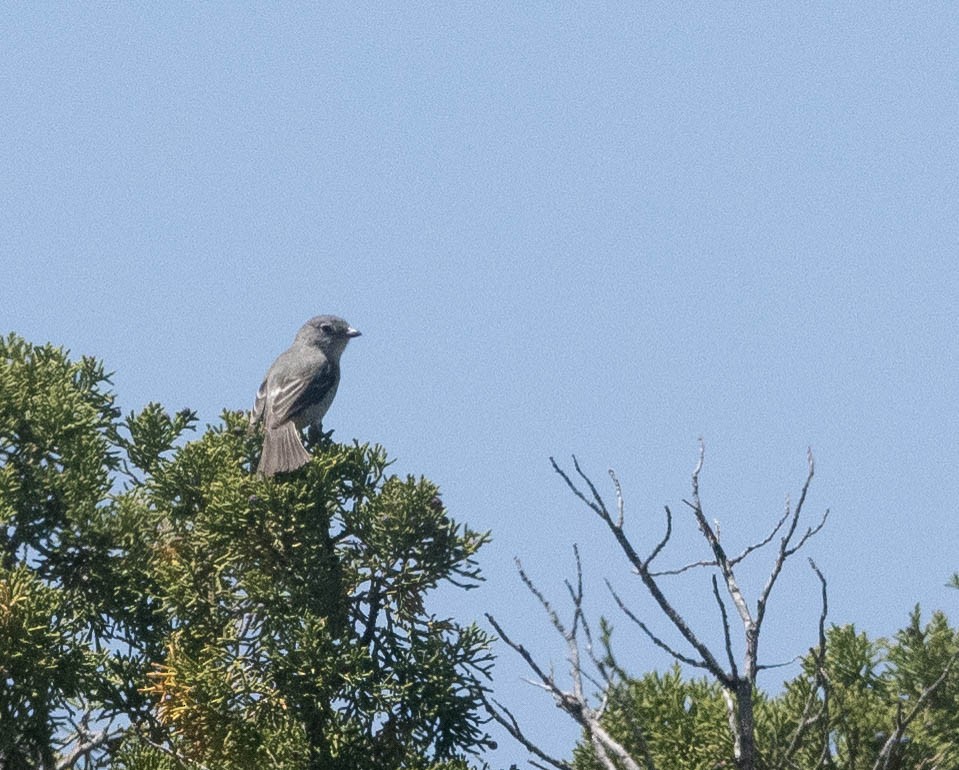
(327, 332)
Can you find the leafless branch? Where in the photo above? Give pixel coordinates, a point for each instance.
(546, 679)
(620, 504)
(810, 713)
(722, 562)
(662, 543)
(573, 703)
(651, 636)
(87, 744)
(81, 740)
(505, 717)
(581, 621)
(685, 568)
(641, 568)
(810, 532)
(765, 541)
(727, 635)
(780, 664)
(737, 687)
(536, 764)
(784, 550)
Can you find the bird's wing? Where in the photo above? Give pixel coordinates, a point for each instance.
(280, 400)
(259, 403)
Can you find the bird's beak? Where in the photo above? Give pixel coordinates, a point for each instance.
(351, 332)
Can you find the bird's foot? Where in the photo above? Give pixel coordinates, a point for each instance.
(316, 437)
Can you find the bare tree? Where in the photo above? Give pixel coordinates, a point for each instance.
(737, 676)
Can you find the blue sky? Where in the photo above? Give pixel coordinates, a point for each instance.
(601, 229)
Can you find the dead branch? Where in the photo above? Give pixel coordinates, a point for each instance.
(505, 717)
(575, 702)
(765, 541)
(727, 634)
(651, 636)
(737, 681)
(724, 566)
(87, 744)
(662, 543)
(810, 713)
(642, 568)
(784, 550)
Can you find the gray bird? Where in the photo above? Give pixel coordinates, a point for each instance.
(298, 389)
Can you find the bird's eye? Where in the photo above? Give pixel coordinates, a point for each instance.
(327, 328)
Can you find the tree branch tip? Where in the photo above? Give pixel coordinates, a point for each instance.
(701, 457)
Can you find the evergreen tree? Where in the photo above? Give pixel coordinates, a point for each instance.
(163, 607)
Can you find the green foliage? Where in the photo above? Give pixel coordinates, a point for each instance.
(42, 666)
(838, 718)
(163, 607)
(669, 720)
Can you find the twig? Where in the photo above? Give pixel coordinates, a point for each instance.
(505, 717)
(685, 568)
(662, 543)
(809, 717)
(573, 703)
(652, 637)
(765, 541)
(784, 551)
(620, 504)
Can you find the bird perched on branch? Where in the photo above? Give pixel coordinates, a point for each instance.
(297, 390)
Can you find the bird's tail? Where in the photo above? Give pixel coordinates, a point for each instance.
(282, 450)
